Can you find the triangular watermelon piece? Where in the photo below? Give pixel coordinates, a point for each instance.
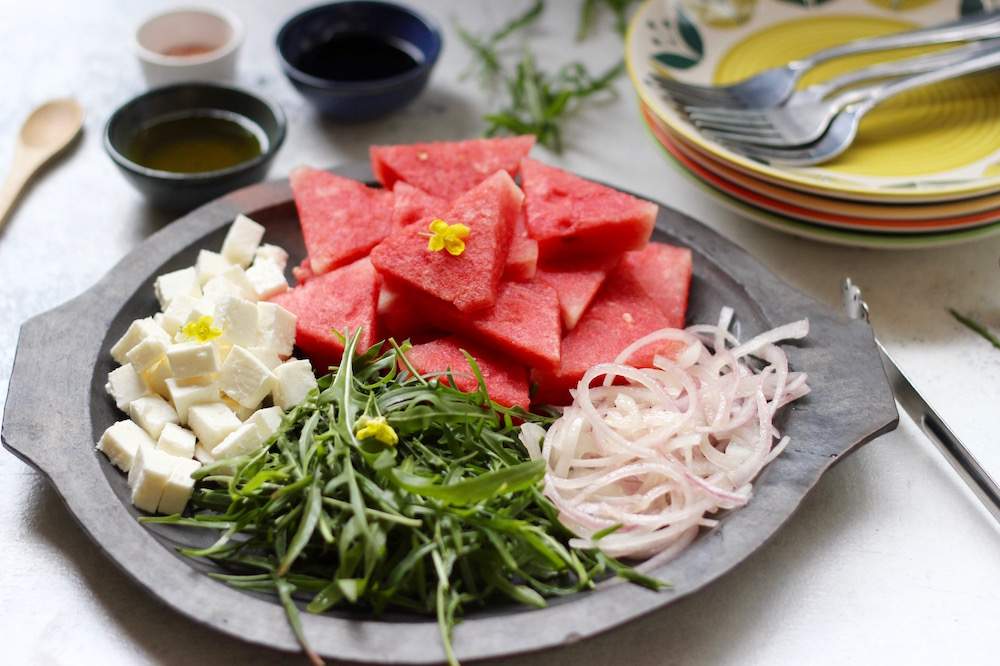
(411, 204)
(664, 272)
(506, 382)
(576, 284)
(448, 169)
(400, 317)
(570, 216)
(341, 219)
(522, 260)
(303, 271)
(342, 300)
(468, 281)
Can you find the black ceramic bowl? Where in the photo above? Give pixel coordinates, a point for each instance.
(357, 100)
(184, 191)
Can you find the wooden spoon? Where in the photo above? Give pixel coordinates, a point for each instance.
(47, 131)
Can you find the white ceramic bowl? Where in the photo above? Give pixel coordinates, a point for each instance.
(188, 44)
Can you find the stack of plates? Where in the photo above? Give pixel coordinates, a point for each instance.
(924, 170)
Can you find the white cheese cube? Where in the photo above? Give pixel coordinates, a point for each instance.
(121, 443)
(156, 378)
(139, 330)
(149, 477)
(245, 439)
(242, 413)
(185, 395)
(275, 328)
(293, 381)
(237, 319)
(242, 240)
(152, 412)
(125, 385)
(177, 283)
(179, 487)
(158, 319)
(177, 313)
(209, 264)
(273, 253)
(211, 422)
(244, 378)
(147, 353)
(267, 356)
(267, 279)
(192, 359)
(230, 283)
(176, 441)
(203, 455)
(268, 420)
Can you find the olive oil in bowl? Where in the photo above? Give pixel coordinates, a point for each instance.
(199, 141)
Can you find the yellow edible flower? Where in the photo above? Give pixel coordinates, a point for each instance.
(377, 428)
(201, 329)
(450, 237)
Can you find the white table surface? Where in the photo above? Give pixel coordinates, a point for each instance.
(889, 560)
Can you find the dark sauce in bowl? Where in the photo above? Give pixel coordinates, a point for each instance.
(358, 56)
(196, 142)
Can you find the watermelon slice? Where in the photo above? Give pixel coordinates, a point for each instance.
(303, 271)
(341, 219)
(664, 271)
(522, 260)
(468, 281)
(448, 169)
(506, 383)
(342, 300)
(399, 316)
(621, 313)
(411, 204)
(576, 284)
(570, 216)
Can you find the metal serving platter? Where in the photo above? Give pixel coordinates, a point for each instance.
(57, 408)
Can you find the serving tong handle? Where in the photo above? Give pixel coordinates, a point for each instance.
(960, 458)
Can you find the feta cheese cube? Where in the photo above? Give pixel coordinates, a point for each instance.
(245, 439)
(230, 283)
(275, 328)
(152, 413)
(192, 359)
(185, 395)
(242, 240)
(244, 378)
(268, 252)
(267, 279)
(242, 413)
(156, 378)
(176, 441)
(138, 330)
(209, 264)
(268, 420)
(177, 283)
(237, 319)
(179, 487)
(147, 353)
(125, 385)
(211, 422)
(121, 442)
(149, 477)
(267, 356)
(293, 381)
(177, 313)
(203, 455)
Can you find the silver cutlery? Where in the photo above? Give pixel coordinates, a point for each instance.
(959, 457)
(773, 86)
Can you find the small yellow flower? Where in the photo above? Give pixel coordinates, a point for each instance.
(377, 428)
(201, 329)
(450, 237)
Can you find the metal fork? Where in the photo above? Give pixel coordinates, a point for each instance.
(773, 86)
(950, 446)
(805, 116)
(844, 128)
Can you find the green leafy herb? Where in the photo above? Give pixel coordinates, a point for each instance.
(449, 518)
(485, 48)
(976, 327)
(588, 16)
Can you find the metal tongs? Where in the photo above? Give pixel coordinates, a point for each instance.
(963, 462)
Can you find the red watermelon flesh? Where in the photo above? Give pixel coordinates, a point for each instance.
(468, 281)
(576, 284)
(506, 382)
(411, 204)
(448, 169)
(664, 271)
(341, 219)
(343, 299)
(620, 314)
(303, 271)
(522, 260)
(399, 316)
(570, 216)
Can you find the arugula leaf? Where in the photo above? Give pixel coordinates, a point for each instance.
(976, 327)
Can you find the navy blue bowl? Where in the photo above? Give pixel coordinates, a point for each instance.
(183, 191)
(353, 101)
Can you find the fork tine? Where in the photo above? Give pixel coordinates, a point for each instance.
(737, 127)
(697, 96)
(767, 154)
(724, 115)
(753, 140)
(701, 119)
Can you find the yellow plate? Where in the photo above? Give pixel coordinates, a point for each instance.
(936, 143)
